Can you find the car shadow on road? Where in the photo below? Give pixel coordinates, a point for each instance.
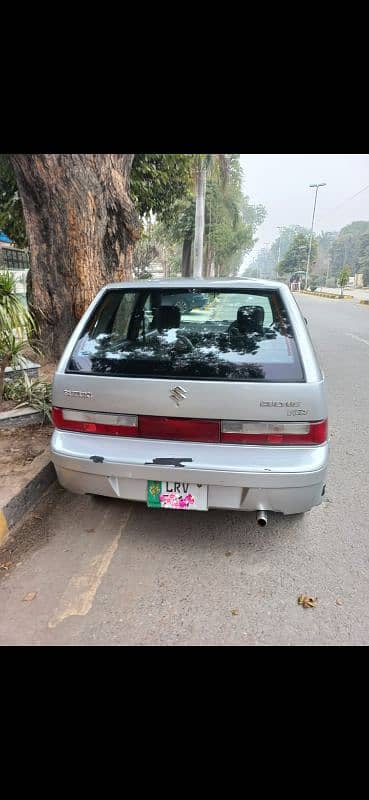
(215, 530)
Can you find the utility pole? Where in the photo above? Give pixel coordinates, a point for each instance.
(315, 186)
(279, 249)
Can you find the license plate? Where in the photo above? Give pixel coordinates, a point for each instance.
(178, 496)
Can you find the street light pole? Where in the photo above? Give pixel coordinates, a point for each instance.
(315, 186)
(326, 280)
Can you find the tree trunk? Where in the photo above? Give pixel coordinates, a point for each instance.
(200, 220)
(205, 268)
(4, 363)
(186, 258)
(81, 226)
(2, 381)
(209, 271)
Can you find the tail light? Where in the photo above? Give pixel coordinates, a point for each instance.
(192, 430)
(175, 428)
(274, 433)
(90, 422)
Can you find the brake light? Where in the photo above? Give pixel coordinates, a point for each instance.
(274, 433)
(91, 422)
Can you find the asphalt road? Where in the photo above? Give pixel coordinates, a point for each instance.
(107, 572)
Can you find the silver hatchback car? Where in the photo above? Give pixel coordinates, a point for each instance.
(192, 395)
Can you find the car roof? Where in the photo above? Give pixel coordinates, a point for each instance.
(196, 283)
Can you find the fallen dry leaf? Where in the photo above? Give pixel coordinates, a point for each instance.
(235, 612)
(5, 565)
(29, 597)
(307, 602)
(339, 602)
(228, 554)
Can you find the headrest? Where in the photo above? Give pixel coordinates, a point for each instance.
(250, 318)
(167, 317)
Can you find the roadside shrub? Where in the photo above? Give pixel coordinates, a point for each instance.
(366, 277)
(343, 279)
(27, 392)
(16, 324)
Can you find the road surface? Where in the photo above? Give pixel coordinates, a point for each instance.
(104, 572)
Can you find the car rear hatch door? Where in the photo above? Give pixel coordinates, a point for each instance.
(234, 356)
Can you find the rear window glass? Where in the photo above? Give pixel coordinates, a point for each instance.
(228, 335)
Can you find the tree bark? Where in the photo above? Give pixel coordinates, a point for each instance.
(81, 226)
(186, 258)
(200, 220)
(209, 271)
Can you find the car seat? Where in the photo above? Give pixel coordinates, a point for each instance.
(166, 317)
(250, 319)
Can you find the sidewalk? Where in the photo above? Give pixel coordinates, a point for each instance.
(358, 294)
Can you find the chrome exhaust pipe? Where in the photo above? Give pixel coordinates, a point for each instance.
(262, 519)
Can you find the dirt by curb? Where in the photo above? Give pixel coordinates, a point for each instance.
(20, 497)
(18, 450)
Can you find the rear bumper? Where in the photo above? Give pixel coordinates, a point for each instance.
(289, 480)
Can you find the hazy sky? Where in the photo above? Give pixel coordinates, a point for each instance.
(280, 183)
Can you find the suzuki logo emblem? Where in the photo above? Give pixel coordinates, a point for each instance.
(178, 395)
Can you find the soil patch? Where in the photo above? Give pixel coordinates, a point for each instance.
(18, 449)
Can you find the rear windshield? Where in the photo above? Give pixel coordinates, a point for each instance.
(227, 335)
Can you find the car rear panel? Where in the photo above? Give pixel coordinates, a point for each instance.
(287, 480)
(208, 463)
(244, 401)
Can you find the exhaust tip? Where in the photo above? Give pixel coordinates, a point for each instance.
(262, 519)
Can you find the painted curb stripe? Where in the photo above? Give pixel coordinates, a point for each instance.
(80, 592)
(3, 527)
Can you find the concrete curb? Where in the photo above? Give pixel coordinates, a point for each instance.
(42, 475)
(329, 296)
(20, 418)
